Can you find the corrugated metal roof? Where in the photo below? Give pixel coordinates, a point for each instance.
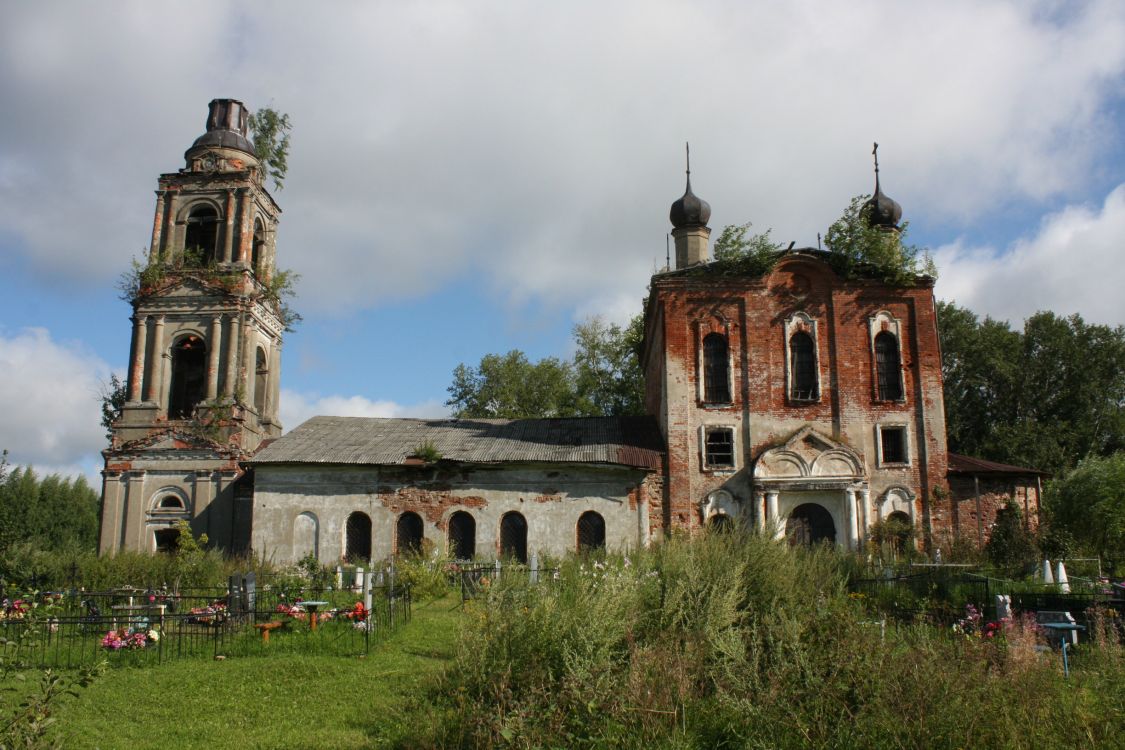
(959, 464)
(628, 441)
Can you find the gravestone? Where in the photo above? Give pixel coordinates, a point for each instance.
(234, 594)
(249, 591)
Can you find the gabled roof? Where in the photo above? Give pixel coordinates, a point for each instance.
(627, 441)
(959, 464)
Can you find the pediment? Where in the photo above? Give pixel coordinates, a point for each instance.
(806, 454)
(172, 440)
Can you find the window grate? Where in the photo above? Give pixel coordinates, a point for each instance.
(591, 531)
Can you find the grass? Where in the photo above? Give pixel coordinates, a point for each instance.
(284, 700)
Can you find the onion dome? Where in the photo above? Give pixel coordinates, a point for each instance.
(226, 127)
(690, 210)
(883, 212)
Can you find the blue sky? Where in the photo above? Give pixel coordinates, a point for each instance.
(472, 178)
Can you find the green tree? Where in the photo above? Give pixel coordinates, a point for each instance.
(509, 386)
(1089, 505)
(269, 129)
(1010, 544)
(858, 247)
(608, 377)
(53, 513)
(113, 397)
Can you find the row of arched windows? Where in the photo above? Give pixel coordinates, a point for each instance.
(462, 535)
(804, 379)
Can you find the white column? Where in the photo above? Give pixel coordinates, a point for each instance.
(760, 510)
(865, 512)
(771, 513)
(274, 382)
(232, 355)
(213, 357)
(137, 366)
(155, 369)
(850, 514)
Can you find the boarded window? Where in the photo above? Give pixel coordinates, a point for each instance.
(719, 448)
(357, 538)
(189, 376)
(201, 240)
(591, 531)
(513, 536)
(408, 534)
(810, 524)
(462, 536)
(888, 367)
(802, 368)
(306, 530)
(716, 369)
(893, 444)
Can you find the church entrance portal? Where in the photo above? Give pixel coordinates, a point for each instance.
(810, 524)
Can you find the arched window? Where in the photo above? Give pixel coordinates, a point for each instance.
(357, 537)
(802, 368)
(591, 532)
(259, 246)
(810, 524)
(888, 367)
(261, 371)
(171, 503)
(462, 536)
(306, 530)
(898, 530)
(189, 376)
(408, 534)
(513, 536)
(716, 369)
(201, 241)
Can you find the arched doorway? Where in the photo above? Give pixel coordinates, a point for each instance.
(591, 532)
(189, 376)
(357, 537)
(720, 523)
(462, 536)
(513, 536)
(898, 531)
(167, 540)
(408, 534)
(810, 524)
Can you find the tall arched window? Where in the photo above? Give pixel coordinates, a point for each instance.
(716, 369)
(189, 376)
(462, 536)
(259, 246)
(357, 537)
(261, 373)
(591, 531)
(888, 367)
(513, 536)
(201, 241)
(802, 368)
(408, 534)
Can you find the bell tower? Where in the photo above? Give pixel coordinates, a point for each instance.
(205, 360)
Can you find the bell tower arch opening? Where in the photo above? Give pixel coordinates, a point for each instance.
(189, 376)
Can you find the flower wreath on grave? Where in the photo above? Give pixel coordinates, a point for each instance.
(212, 614)
(134, 641)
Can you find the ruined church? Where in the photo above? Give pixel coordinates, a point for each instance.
(797, 402)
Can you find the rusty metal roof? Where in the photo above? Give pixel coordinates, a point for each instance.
(628, 441)
(959, 464)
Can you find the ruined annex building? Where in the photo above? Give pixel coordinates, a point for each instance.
(795, 400)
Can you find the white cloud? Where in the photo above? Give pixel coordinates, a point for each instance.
(1072, 264)
(539, 144)
(297, 407)
(50, 402)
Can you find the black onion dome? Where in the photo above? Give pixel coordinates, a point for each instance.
(884, 211)
(690, 210)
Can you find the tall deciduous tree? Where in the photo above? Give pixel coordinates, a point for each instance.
(608, 378)
(1089, 505)
(269, 129)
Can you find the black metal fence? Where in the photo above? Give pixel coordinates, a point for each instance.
(133, 627)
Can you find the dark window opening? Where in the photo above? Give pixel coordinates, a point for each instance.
(591, 532)
(810, 524)
(260, 373)
(171, 502)
(357, 538)
(888, 367)
(898, 530)
(408, 534)
(719, 450)
(513, 537)
(716, 369)
(189, 377)
(259, 244)
(167, 540)
(893, 441)
(462, 536)
(720, 523)
(802, 368)
(201, 241)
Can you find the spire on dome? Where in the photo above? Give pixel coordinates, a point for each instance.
(884, 212)
(690, 210)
